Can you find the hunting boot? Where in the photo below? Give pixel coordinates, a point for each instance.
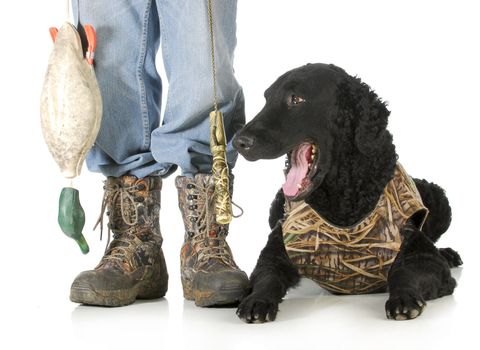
(133, 266)
(209, 273)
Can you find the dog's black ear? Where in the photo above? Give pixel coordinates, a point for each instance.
(368, 114)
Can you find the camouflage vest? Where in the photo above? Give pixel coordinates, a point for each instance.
(354, 259)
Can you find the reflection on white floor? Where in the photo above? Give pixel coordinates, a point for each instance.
(308, 315)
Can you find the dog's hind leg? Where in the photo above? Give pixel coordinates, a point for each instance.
(440, 213)
(272, 276)
(419, 273)
(439, 217)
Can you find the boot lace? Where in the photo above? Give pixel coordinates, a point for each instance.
(199, 213)
(122, 246)
(127, 206)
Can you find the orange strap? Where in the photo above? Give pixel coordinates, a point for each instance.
(92, 42)
(91, 39)
(53, 33)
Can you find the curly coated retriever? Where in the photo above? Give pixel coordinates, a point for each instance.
(348, 216)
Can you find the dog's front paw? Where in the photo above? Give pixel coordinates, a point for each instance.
(404, 306)
(255, 309)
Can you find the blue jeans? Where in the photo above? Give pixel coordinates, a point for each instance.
(131, 139)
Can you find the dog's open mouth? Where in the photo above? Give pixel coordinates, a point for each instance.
(301, 166)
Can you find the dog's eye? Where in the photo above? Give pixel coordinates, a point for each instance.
(296, 100)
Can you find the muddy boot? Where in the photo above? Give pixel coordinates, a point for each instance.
(133, 266)
(209, 273)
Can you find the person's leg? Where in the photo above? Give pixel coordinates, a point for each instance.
(128, 36)
(209, 273)
(184, 137)
(133, 266)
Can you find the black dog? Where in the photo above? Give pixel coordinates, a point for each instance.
(340, 160)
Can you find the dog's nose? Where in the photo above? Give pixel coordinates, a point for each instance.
(243, 142)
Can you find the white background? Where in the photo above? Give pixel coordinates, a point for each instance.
(421, 56)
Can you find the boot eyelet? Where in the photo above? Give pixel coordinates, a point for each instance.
(189, 186)
(190, 234)
(140, 187)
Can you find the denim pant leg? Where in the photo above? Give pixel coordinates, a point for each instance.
(128, 36)
(184, 136)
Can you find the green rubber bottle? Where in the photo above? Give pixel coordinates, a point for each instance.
(71, 217)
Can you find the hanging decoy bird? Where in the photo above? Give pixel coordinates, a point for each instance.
(71, 112)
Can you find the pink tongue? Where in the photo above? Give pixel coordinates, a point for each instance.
(298, 170)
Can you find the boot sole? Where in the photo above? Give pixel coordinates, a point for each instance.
(83, 293)
(226, 295)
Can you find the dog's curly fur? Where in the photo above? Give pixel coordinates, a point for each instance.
(349, 123)
(363, 149)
